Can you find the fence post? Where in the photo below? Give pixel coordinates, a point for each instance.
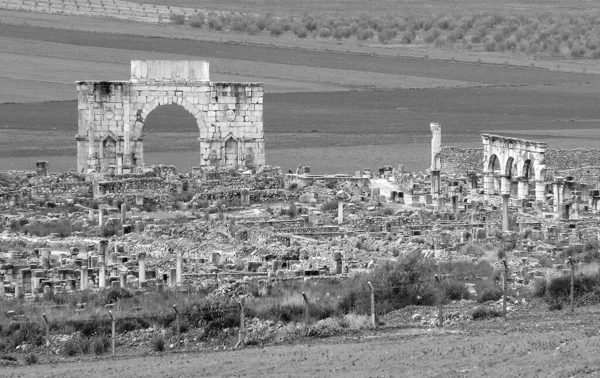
(178, 325)
(114, 337)
(572, 283)
(441, 315)
(306, 314)
(373, 320)
(504, 287)
(242, 341)
(47, 326)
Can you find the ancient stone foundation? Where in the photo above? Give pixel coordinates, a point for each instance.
(112, 116)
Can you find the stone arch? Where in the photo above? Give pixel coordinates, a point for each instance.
(493, 164)
(509, 170)
(142, 116)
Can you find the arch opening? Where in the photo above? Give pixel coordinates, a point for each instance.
(170, 136)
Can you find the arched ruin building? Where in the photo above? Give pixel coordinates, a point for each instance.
(112, 116)
(511, 166)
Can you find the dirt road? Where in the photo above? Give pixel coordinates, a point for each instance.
(561, 346)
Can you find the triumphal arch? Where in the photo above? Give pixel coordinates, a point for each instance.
(112, 115)
(514, 166)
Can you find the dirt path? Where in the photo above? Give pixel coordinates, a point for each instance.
(549, 350)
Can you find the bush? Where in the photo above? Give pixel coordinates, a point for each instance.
(325, 32)
(577, 51)
(197, 21)
(555, 306)
(364, 34)
(158, 344)
(276, 31)
(490, 295)
(386, 35)
(215, 23)
(481, 313)
(101, 344)
(291, 211)
(329, 206)
(454, 291)
(559, 288)
(31, 359)
(177, 19)
(539, 287)
(71, 347)
(301, 32)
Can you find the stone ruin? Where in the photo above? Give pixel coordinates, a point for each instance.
(111, 116)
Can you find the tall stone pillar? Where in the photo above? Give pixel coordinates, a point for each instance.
(126, 131)
(142, 268)
(101, 273)
(557, 197)
(101, 217)
(173, 277)
(91, 163)
(123, 213)
(435, 184)
(340, 212)
(505, 197)
(576, 201)
(505, 185)
(436, 160)
(83, 284)
(488, 182)
(540, 191)
(179, 268)
(119, 164)
(123, 279)
(523, 191)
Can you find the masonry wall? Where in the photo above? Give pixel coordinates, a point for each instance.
(458, 161)
(112, 114)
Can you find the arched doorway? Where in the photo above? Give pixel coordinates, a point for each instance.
(231, 152)
(170, 136)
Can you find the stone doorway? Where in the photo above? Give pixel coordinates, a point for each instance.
(231, 152)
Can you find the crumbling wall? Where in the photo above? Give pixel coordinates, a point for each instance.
(569, 163)
(458, 161)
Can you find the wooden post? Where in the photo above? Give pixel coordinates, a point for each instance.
(242, 341)
(178, 325)
(114, 336)
(306, 312)
(504, 287)
(373, 319)
(47, 326)
(441, 313)
(572, 283)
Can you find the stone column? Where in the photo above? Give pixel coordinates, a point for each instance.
(179, 268)
(523, 190)
(123, 279)
(488, 182)
(172, 277)
(142, 268)
(505, 185)
(340, 212)
(83, 284)
(91, 131)
(435, 184)
(576, 201)
(505, 197)
(473, 182)
(120, 164)
(556, 201)
(1, 286)
(540, 191)
(126, 131)
(101, 217)
(102, 245)
(123, 212)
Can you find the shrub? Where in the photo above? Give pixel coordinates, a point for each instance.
(555, 306)
(101, 344)
(158, 344)
(454, 291)
(301, 32)
(291, 211)
(276, 31)
(577, 50)
(386, 35)
(324, 32)
(539, 287)
(490, 295)
(329, 206)
(364, 34)
(177, 19)
(197, 21)
(559, 288)
(215, 23)
(71, 347)
(481, 313)
(252, 29)
(31, 359)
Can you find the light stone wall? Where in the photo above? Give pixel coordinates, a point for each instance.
(111, 116)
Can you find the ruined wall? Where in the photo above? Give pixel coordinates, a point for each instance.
(582, 164)
(112, 116)
(458, 161)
